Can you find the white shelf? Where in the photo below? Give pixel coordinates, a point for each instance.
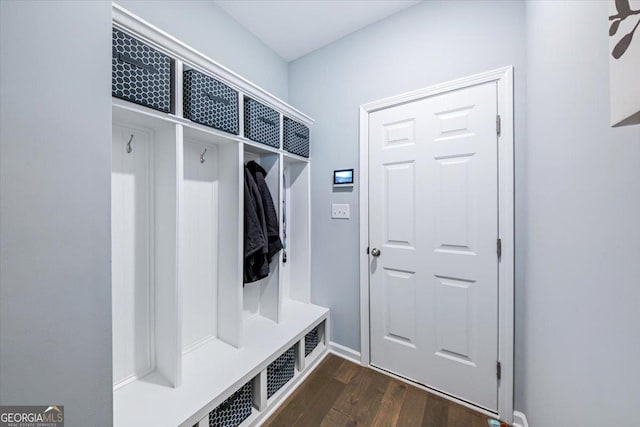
(258, 148)
(123, 109)
(212, 372)
(292, 158)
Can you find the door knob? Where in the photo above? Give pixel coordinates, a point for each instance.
(375, 252)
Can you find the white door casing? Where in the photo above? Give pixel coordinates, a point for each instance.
(443, 200)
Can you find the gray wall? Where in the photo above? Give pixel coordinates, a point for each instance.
(429, 43)
(581, 336)
(55, 274)
(208, 28)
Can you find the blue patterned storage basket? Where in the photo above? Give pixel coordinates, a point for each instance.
(261, 123)
(140, 73)
(280, 371)
(210, 102)
(311, 340)
(296, 137)
(233, 411)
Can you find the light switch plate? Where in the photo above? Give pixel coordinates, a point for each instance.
(340, 211)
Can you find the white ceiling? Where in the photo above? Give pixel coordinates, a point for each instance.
(294, 28)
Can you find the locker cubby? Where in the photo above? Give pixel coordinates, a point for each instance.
(318, 336)
(311, 341)
(261, 298)
(209, 222)
(144, 251)
(281, 371)
(296, 231)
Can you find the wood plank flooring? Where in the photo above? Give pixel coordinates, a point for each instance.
(341, 393)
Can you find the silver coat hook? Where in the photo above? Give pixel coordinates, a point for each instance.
(129, 144)
(202, 156)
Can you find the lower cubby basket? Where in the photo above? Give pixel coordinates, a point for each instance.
(281, 371)
(233, 411)
(311, 340)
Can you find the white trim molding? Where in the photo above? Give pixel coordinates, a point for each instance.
(504, 79)
(519, 419)
(345, 352)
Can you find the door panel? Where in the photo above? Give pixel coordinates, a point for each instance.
(399, 322)
(401, 133)
(433, 214)
(399, 194)
(454, 218)
(454, 329)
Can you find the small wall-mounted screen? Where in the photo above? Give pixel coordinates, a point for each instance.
(343, 177)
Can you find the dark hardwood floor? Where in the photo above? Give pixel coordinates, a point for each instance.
(341, 393)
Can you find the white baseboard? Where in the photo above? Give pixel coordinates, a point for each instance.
(345, 352)
(519, 419)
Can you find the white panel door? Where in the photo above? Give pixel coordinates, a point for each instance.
(130, 249)
(434, 220)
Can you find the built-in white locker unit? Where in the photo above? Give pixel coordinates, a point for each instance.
(186, 333)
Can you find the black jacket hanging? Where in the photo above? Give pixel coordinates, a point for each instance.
(256, 246)
(270, 213)
(261, 234)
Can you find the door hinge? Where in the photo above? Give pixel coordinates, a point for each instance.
(498, 369)
(498, 125)
(499, 247)
(367, 250)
